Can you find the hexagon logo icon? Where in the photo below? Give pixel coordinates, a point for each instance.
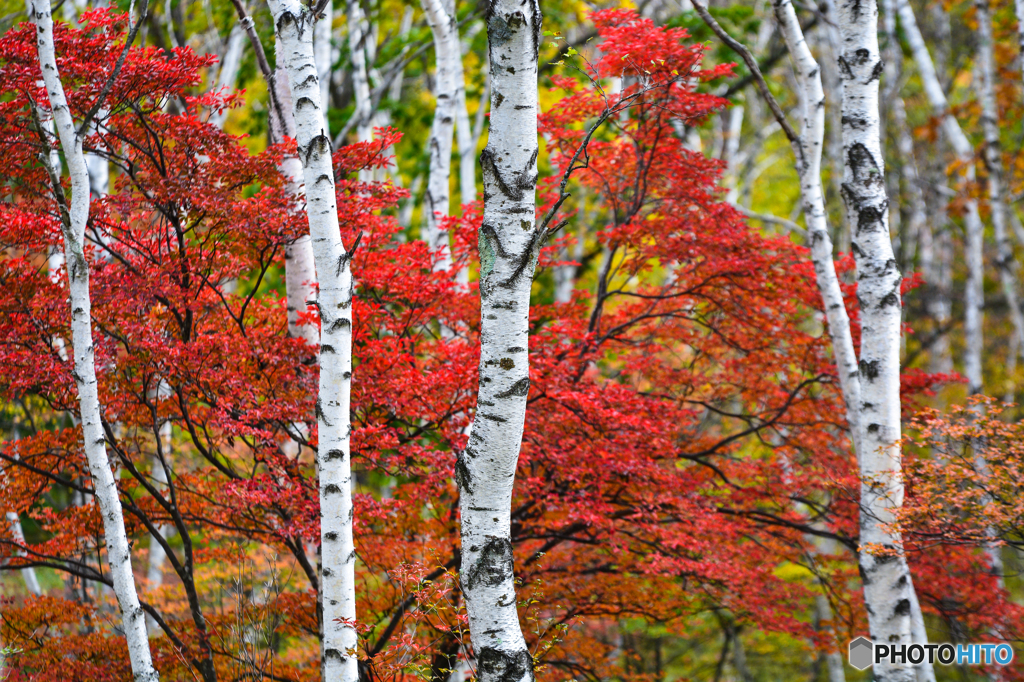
(861, 653)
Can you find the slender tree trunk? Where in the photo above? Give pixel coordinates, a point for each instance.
(323, 50)
(887, 584)
(834, 659)
(808, 161)
(28, 574)
(157, 555)
(295, 25)
(915, 206)
(446, 90)
(464, 128)
(73, 224)
(993, 157)
(357, 36)
(230, 62)
(974, 292)
(509, 247)
(299, 268)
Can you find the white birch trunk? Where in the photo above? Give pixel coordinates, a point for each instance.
(99, 174)
(509, 245)
(974, 292)
(133, 621)
(229, 65)
(463, 128)
(323, 50)
(295, 25)
(409, 205)
(357, 37)
(886, 579)
(436, 203)
(915, 204)
(834, 659)
(157, 554)
(28, 574)
(993, 157)
(565, 275)
(808, 161)
(299, 268)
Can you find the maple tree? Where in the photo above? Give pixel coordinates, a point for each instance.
(684, 439)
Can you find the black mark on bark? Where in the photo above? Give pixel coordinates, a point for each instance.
(869, 368)
(494, 665)
(493, 566)
(521, 388)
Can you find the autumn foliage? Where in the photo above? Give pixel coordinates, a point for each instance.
(684, 441)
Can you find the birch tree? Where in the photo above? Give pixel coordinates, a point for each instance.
(294, 24)
(73, 225)
(446, 91)
(974, 291)
(870, 383)
(886, 577)
(323, 49)
(358, 28)
(992, 155)
(464, 130)
(509, 246)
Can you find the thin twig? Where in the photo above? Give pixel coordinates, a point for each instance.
(788, 225)
(132, 32)
(755, 71)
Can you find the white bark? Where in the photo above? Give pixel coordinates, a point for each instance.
(886, 579)
(395, 90)
(28, 574)
(299, 268)
(105, 486)
(409, 205)
(974, 292)
(509, 246)
(808, 161)
(436, 203)
(565, 275)
(230, 62)
(834, 659)
(357, 38)
(294, 23)
(916, 208)
(463, 128)
(323, 50)
(993, 157)
(157, 554)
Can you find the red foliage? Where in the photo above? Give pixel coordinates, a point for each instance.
(684, 431)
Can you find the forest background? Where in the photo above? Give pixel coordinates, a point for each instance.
(688, 502)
